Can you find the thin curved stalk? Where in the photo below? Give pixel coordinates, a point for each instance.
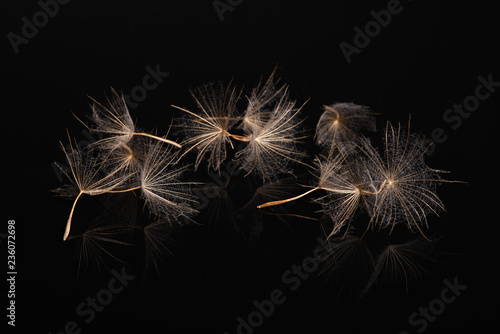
(158, 138)
(265, 205)
(68, 224)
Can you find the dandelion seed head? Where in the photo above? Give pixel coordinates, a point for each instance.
(341, 124)
(273, 141)
(113, 119)
(128, 158)
(88, 172)
(207, 130)
(261, 101)
(165, 195)
(406, 185)
(341, 179)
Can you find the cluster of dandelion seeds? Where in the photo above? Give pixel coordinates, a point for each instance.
(127, 160)
(354, 180)
(268, 127)
(391, 187)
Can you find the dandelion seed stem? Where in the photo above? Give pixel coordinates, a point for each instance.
(376, 192)
(225, 118)
(123, 191)
(287, 200)
(158, 138)
(127, 148)
(240, 138)
(68, 224)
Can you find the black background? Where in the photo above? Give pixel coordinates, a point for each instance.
(428, 58)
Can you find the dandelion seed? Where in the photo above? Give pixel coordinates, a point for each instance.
(128, 159)
(87, 173)
(260, 103)
(114, 119)
(272, 144)
(341, 180)
(164, 194)
(406, 185)
(208, 130)
(341, 124)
